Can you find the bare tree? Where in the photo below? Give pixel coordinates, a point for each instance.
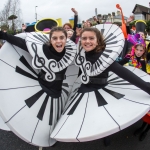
(15, 10)
(12, 7)
(5, 12)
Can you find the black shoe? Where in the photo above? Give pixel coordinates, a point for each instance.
(138, 131)
(106, 141)
(142, 136)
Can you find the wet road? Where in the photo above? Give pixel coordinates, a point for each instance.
(123, 140)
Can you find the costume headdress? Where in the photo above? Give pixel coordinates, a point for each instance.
(140, 26)
(135, 39)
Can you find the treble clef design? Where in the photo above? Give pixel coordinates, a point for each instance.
(80, 61)
(52, 65)
(40, 60)
(39, 63)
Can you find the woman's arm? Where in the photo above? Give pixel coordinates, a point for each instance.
(75, 18)
(124, 61)
(129, 76)
(17, 41)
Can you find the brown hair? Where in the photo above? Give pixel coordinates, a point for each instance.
(56, 29)
(1, 45)
(145, 52)
(100, 40)
(68, 24)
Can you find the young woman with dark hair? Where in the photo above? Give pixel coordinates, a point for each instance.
(45, 101)
(103, 103)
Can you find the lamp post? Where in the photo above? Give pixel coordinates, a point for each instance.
(35, 14)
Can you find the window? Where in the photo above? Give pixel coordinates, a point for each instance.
(139, 17)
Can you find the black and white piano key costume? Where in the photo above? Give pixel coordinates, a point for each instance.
(97, 110)
(30, 104)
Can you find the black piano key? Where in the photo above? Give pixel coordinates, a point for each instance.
(69, 48)
(95, 66)
(114, 79)
(106, 38)
(51, 113)
(121, 84)
(98, 64)
(102, 31)
(58, 109)
(60, 64)
(109, 51)
(92, 68)
(75, 105)
(114, 42)
(73, 99)
(99, 61)
(114, 94)
(61, 101)
(104, 60)
(65, 91)
(24, 61)
(65, 60)
(42, 109)
(100, 100)
(67, 57)
(65, 84)
(105, 55)
(40, 39)
(46, 38)
(24, 73)
(63, 63)
(68, 54)
(102, 63)
(30, 101)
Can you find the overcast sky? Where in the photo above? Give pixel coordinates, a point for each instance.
(62, 8)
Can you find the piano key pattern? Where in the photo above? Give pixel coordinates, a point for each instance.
(34, 44)
(28, 110)
(100, 113)
(114, 40)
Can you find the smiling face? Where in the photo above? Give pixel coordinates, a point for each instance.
(58, 40)
(139, 51)
(88, 40)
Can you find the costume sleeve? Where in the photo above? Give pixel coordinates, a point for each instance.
(124, 61)
(129, 76)
(143, 63)
(75, 22)
(17, 41)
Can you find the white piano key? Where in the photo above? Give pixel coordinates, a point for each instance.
(127, 112)
(96, 122)
(63, 126)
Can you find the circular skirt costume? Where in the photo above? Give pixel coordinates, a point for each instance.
(26, 109)
(95, 113)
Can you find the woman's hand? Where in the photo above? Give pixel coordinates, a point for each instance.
(78, 31)
(75, 12)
